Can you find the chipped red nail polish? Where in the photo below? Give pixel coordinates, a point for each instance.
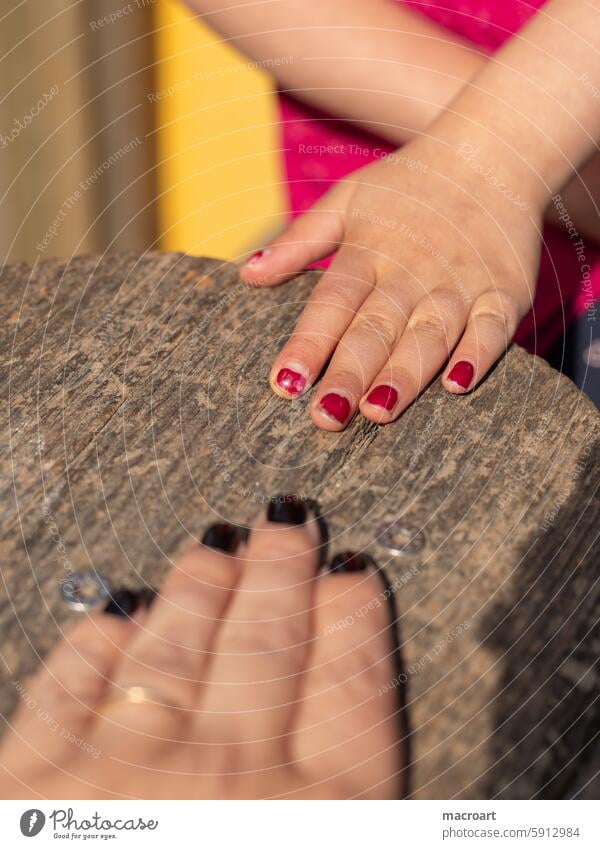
(290, 381)
(383, 396)
(462, 373)
(255, 257)
(336, 406)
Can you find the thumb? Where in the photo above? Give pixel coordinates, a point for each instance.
(308, 238)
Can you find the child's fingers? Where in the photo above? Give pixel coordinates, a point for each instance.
(491, 326)
(307, 239)
(432, 332)
(363, 350)
(329, 311)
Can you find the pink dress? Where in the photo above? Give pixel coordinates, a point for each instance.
(566, 285)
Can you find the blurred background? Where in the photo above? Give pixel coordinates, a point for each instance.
(136, 128)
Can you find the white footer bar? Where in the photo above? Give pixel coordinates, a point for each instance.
(302, 825)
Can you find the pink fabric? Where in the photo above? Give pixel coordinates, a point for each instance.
(320, 150)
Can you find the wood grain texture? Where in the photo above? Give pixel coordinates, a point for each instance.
(136, 407)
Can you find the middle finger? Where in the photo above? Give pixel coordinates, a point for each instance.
(262, 646)
(362, 352)
(167, 658)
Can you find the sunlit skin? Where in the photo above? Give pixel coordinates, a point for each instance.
(435, 266)
(257, 690)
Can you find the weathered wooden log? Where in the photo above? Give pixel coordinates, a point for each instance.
(136, 406)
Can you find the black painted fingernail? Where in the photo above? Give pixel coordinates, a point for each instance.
(315, 509)
(348, 561)
(122, 603)
(222, 537)
(146, 597)
(287, 509)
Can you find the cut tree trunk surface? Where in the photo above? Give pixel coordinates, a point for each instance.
(137, 407)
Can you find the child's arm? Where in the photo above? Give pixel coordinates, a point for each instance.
(373, 62)
(441, 259)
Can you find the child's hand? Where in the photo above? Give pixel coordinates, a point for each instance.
(438, 257)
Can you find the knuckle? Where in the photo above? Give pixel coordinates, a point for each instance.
(498, 306)
(489, 324)
(91, 655)
(269, 637)
(57, 697)
(334, 291)
(195, 599)
(286, 633)
(384, 328)
(356, 670)
(436, 315)
(95, 654)
(429, 324)
(359, 663)
(448, 301)
(168, 655)
(497, 319)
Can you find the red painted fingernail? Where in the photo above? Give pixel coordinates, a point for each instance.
(255, 257)
(383, 396)
(336, 406)
(290, 381)
(462, 373)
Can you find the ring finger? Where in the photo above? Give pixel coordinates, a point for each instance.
(432, 332)
(167, 658)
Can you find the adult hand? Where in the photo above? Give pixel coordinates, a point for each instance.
(249, 677)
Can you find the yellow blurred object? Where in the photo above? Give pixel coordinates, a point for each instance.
(220, 183)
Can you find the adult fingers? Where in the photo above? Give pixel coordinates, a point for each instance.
(168, 657)
(348, 727)
(262, 646)
(56, 705)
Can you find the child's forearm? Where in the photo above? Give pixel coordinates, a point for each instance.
(534, 111)
(372, 62)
